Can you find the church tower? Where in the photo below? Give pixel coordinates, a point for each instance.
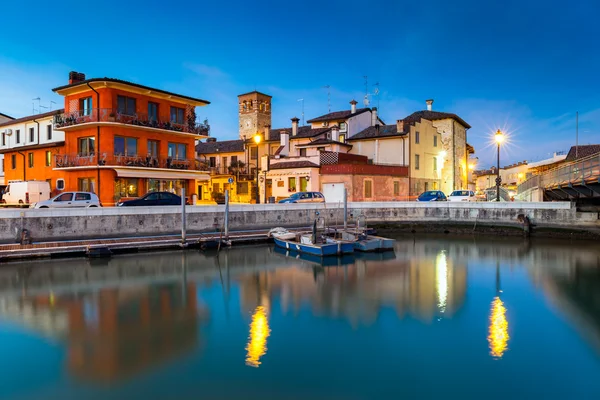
(254, 113)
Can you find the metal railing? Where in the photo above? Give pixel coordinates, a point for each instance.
(114, 115)
(575, 172)
(82, 160)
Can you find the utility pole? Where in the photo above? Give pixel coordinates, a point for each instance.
(328, 97)
(576, 133)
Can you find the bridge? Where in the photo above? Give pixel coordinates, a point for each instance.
(575, 181)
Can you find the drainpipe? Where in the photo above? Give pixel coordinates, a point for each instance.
(38, 125)
(24, 170)
(97, 134)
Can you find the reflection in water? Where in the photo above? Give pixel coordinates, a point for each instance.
(257, 341)
(498, 330)
(441, 272)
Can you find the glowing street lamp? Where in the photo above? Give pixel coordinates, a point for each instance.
(257, 138)
(499, 137)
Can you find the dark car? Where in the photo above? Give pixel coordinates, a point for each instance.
(153, 199)
(432, 195)
(305, 197)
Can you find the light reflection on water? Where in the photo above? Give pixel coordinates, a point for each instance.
(442, 309)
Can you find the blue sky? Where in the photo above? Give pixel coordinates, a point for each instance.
(524, 66)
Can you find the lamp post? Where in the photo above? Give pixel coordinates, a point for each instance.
(499, 139)
(257, 139)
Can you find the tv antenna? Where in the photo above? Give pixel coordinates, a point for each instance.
(33, 105)
(376, 93)
(328, 97)
(51, 102)
(302, 100)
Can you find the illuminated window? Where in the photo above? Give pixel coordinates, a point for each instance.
(396, 188)
(30, 158)
(48, 158)
(417, 161)
(368, 189)
(292, 184)
(242, 188)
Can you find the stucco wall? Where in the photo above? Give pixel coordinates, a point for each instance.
(393, 151)
(112, 222)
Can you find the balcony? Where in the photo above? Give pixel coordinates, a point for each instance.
(241, 172)
(65, 121)
(79, 160)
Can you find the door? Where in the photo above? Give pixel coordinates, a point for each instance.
(63, 201)
(200, 192)
(269, 188)
(333, 192)
(303, 184)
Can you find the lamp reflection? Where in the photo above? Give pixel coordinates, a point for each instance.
(259, 332)
(441, 280)
(498, 329)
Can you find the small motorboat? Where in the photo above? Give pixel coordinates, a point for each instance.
(363, 241)
(310, 243)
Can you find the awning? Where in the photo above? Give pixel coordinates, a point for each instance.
(155, 173)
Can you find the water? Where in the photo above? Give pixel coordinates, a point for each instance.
(439, 318)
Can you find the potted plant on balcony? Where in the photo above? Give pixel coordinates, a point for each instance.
(112, 116)
(236, 166)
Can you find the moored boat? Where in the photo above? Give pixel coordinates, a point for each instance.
(309, 243)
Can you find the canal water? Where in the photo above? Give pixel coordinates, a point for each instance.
(440, 317)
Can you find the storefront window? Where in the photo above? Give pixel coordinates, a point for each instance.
(153, 185)
(173, 186)
(126, 188)
(86, 185)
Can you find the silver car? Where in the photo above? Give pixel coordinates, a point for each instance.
(70, 200)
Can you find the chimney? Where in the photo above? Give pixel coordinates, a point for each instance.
(353, 104)
(75, 77)
(400, 125)
(211, 140)
(374, 119)
(335, 133)
(295, 126)
(429, 104)
(284, 142)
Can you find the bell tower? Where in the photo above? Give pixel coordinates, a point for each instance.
(254, 113)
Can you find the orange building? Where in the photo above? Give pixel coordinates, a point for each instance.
(121, 140)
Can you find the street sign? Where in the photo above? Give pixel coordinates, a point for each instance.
(230, 180)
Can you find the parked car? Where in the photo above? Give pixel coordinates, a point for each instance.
(70, 200)
(305, 197)
(432, 195)
(462, 195)
(153, 199)
(26, 192)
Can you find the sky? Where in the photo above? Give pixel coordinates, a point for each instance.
(524, 66)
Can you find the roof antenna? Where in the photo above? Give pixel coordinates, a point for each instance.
(576, 133)
(328, 97)
(33, 105)
(376, 93)
(302, 100)
(51, 102)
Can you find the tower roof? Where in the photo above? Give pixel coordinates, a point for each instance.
(254, 92)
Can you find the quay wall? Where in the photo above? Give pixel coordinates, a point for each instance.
(73, 224)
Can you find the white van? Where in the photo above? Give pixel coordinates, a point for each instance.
(26, 192)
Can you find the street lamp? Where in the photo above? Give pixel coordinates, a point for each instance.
(257, 140)
(499, 139)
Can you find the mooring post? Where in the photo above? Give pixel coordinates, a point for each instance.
(183, 235)
(227, 214)
(345, 208)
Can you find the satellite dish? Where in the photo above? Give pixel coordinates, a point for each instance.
(366, 100)
(376, 91)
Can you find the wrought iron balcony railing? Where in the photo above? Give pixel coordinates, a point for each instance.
(114, 115)
(82, 160)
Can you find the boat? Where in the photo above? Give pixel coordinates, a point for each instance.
(344, 259)
(363, 241)
(310, 243)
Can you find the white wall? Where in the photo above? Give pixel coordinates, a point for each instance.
(282, 175)
(358, 123)
(23, 127)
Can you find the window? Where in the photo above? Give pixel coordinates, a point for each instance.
(177, 151)
(303, 183)
(212, 162)
(302, 152)
(435, 186)
(292, 184)
(125, 146)
(60, 184)
(242, 188)
(31, 135)
(48, 158)
(434, 140)
(280, 184)
(126, 105)
(18, 136)
(13, 161)
(417, 137)
(342, 126)
(177, 115)
(49, 132)
(434, 164)
(254, 152)
(86, 146)
(234, 161)
(224, 162)
(83, 196)
(86, 185)
(30, 159)
(126, 187)
(396, 188)
(416, 161)
(368, 189)
(216, 187)
(153, 146)
(85, 106)
(3, 138)
(65, 197)
(426, 186)
(152, 111)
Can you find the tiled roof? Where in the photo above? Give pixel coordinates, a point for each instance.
(293, 164)
(303, 132)
(279, 150)
(6, 116)
(32, 117)
(470, 149)
(130, 84)
(226, 146)
(252, 92)
(583, 151)
(434, 116)
(483, 172)
(322, 142)
(338, 115)
(373, 132)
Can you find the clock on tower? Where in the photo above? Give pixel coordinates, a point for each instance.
(254, 113)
